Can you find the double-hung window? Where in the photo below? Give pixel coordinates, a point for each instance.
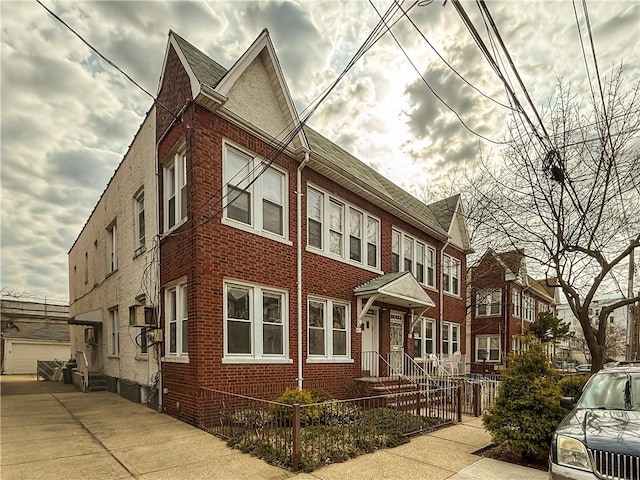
(411, 255)
(515, 301)
(488, 348)
(112, 248)
(329, 329)
(139, 227)
(176, 320)
(488, 302)
(174, 177)
(341, 230)
(255, 195)
(527, 306)
(423, 338)
(451, 275)
(450, 338)
(114, 332)
(255, 323)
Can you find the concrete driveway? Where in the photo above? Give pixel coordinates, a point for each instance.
(50, 431)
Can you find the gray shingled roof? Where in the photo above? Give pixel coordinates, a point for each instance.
(54, 333)
(379, 282)
(437, 215)
(205, 69)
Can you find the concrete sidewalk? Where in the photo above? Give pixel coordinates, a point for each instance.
(71, 435)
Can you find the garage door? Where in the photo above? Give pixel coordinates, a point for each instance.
(22, 357)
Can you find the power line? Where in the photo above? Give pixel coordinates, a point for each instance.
(97, 52)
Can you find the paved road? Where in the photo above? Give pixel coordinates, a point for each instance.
(50, 431)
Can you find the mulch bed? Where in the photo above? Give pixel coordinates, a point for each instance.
(498, 453)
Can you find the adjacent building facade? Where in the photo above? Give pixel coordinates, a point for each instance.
(504, 302)
(283, 259)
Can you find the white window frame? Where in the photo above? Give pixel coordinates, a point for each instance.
(256, 320)
(483, 343)
(114, 332)
(528, 310)
(174, 175)
(421, 332)
(449, 328)
(139, 227)
(516, 301)
(450, 271)
(426, 259)
(489, 302)
(329, 328)
(256, 192)
(112, 247)
(181, 318)
(368, 223)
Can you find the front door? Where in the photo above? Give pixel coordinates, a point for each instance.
(370, 344)
(396, 353)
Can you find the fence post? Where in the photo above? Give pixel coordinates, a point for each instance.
(418, 402)
(477, 400)
(296, 437)
(459, 405)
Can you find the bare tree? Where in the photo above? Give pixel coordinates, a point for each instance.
(570, 199)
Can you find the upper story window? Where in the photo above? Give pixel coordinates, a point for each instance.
(528, 310)
(256, 324)
(488, 302)
(342, 230)
(256, 199)
(515, 301)
(112, 248)
(176, 320)
(413, 256)
(450, 338)
(138, 218)
(423, 338)
(329, 329)
(174, 176)
(451, 275)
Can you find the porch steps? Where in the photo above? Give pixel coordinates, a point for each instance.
(97, 382)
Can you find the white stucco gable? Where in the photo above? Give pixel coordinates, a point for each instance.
(257, 92)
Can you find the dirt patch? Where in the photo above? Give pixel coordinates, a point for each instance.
(498, 453)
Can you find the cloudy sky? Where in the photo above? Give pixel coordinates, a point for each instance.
(68, 118)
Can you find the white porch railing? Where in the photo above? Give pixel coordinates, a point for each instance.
(444, 365)
(83, 368)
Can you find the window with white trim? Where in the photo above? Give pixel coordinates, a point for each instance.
(114, 332)
(112, 248)
(329, 329)
(176, 318)
(342, 230)
(423, 340)
(254, 198)
(174, 177)
(138, 219)
(488, 346)
(515, 301)
(413, 256)
(528, 308)
(255, 322)
(450, 338)
(488, 302)
(451, 275)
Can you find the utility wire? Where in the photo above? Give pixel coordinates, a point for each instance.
(95, 50)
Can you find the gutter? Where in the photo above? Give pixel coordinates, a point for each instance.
(299, 260)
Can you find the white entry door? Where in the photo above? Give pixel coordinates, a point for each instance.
(370, 341)
(396, 353)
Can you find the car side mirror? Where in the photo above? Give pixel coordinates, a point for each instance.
(568, 402)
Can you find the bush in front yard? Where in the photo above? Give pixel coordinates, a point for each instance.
(572, 385)
(527, 409)
(291, 396)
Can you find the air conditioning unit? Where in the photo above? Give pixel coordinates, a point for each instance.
(89, 336)
(141, 316)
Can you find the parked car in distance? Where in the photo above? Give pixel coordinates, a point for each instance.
(584, 368)
(600, 437)
(564, 366)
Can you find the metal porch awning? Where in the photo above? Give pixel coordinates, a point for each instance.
(93, 318)
(400, 289)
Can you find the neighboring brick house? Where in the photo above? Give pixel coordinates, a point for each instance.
(504, 302)
(113, 278)
(274, 289)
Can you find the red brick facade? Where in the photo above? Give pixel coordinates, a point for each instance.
(206, 252)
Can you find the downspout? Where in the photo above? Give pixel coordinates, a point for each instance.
(441, 302)
(158, 347)
(299, 260)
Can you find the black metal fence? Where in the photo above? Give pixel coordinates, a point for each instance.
(305, 437)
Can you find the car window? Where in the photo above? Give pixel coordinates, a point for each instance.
(608, 391)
